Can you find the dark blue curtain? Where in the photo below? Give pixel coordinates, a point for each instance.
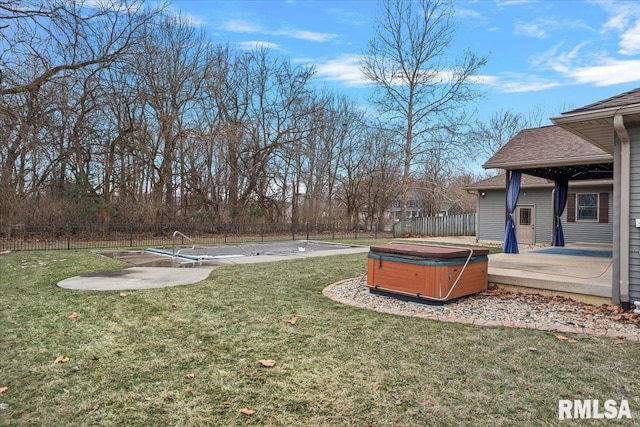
(561, 193)
(510, 245)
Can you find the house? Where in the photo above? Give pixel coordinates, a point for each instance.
(587, 218)
(548, 152)
(611, 129)
(447, 209)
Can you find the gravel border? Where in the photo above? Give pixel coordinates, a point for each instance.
(498, 307)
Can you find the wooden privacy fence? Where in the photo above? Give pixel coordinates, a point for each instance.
(437, 226)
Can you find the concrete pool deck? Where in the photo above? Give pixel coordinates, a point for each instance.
(155, 271)
(582, 278)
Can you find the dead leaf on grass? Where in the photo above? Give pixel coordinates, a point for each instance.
(572, 341)
(293, 320)
(247, 411)
(3, 406)
(94, 408)
(533, 349)
(122, 294)
(3, 389)
(267, 363)
(174, 305)
(65, 391)
(94, 357)
(74, 316)
(561, 337)
(190, 376)
(61, 359)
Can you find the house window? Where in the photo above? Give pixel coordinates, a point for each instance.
(587, 207)
(525, 216)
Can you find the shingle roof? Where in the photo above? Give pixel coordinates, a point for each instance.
(622, 100)
(544, 144)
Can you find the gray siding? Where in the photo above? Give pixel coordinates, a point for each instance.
(586, 231)
(491, 216)
(634, 206)
(491, 213)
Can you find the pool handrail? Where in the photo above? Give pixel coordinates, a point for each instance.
(173, 241)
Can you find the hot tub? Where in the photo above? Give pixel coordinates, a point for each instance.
(437, 273)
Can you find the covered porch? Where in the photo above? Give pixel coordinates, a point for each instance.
(552, 153)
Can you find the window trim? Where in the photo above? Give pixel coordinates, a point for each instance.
(597, 207)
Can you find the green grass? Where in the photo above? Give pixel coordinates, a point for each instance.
(338, 365)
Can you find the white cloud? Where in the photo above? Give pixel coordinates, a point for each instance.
(516, 82)
(624, 19)
(306, 35)
(530, 30)
(630, 41)
(609, 72)
(621, 14)
(245, 26)
(345, 69)
(242, 26)
(348, 17)
(252, 45)
(596, 68)
(560, 62)
(192, 20)
(469, 14)
(513, 2)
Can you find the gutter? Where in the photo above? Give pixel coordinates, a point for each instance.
(544, 163)
(604, 113)
(625, 167)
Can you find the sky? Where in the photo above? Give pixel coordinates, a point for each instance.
(543, 56)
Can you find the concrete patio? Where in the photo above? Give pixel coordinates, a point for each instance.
(583, 277)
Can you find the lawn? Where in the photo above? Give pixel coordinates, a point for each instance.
(190, 355)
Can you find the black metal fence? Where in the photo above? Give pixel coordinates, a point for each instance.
(31, 237)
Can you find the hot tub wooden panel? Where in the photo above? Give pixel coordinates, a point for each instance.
(424, 274)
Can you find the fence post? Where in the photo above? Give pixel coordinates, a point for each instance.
(225, 233)
(130, 235)
(68, 236)
(307, 231)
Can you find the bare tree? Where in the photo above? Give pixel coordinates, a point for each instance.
(383, 174)
(61, 36)
(488, 137)
(174, 64)
(415, 84)
(47, 47)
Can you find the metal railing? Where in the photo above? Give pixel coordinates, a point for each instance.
(70, 236)
(173, 241)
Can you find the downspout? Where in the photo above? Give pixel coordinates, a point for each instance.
(625, 167)
(477, 224)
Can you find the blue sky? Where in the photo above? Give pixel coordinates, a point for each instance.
(552, 56)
